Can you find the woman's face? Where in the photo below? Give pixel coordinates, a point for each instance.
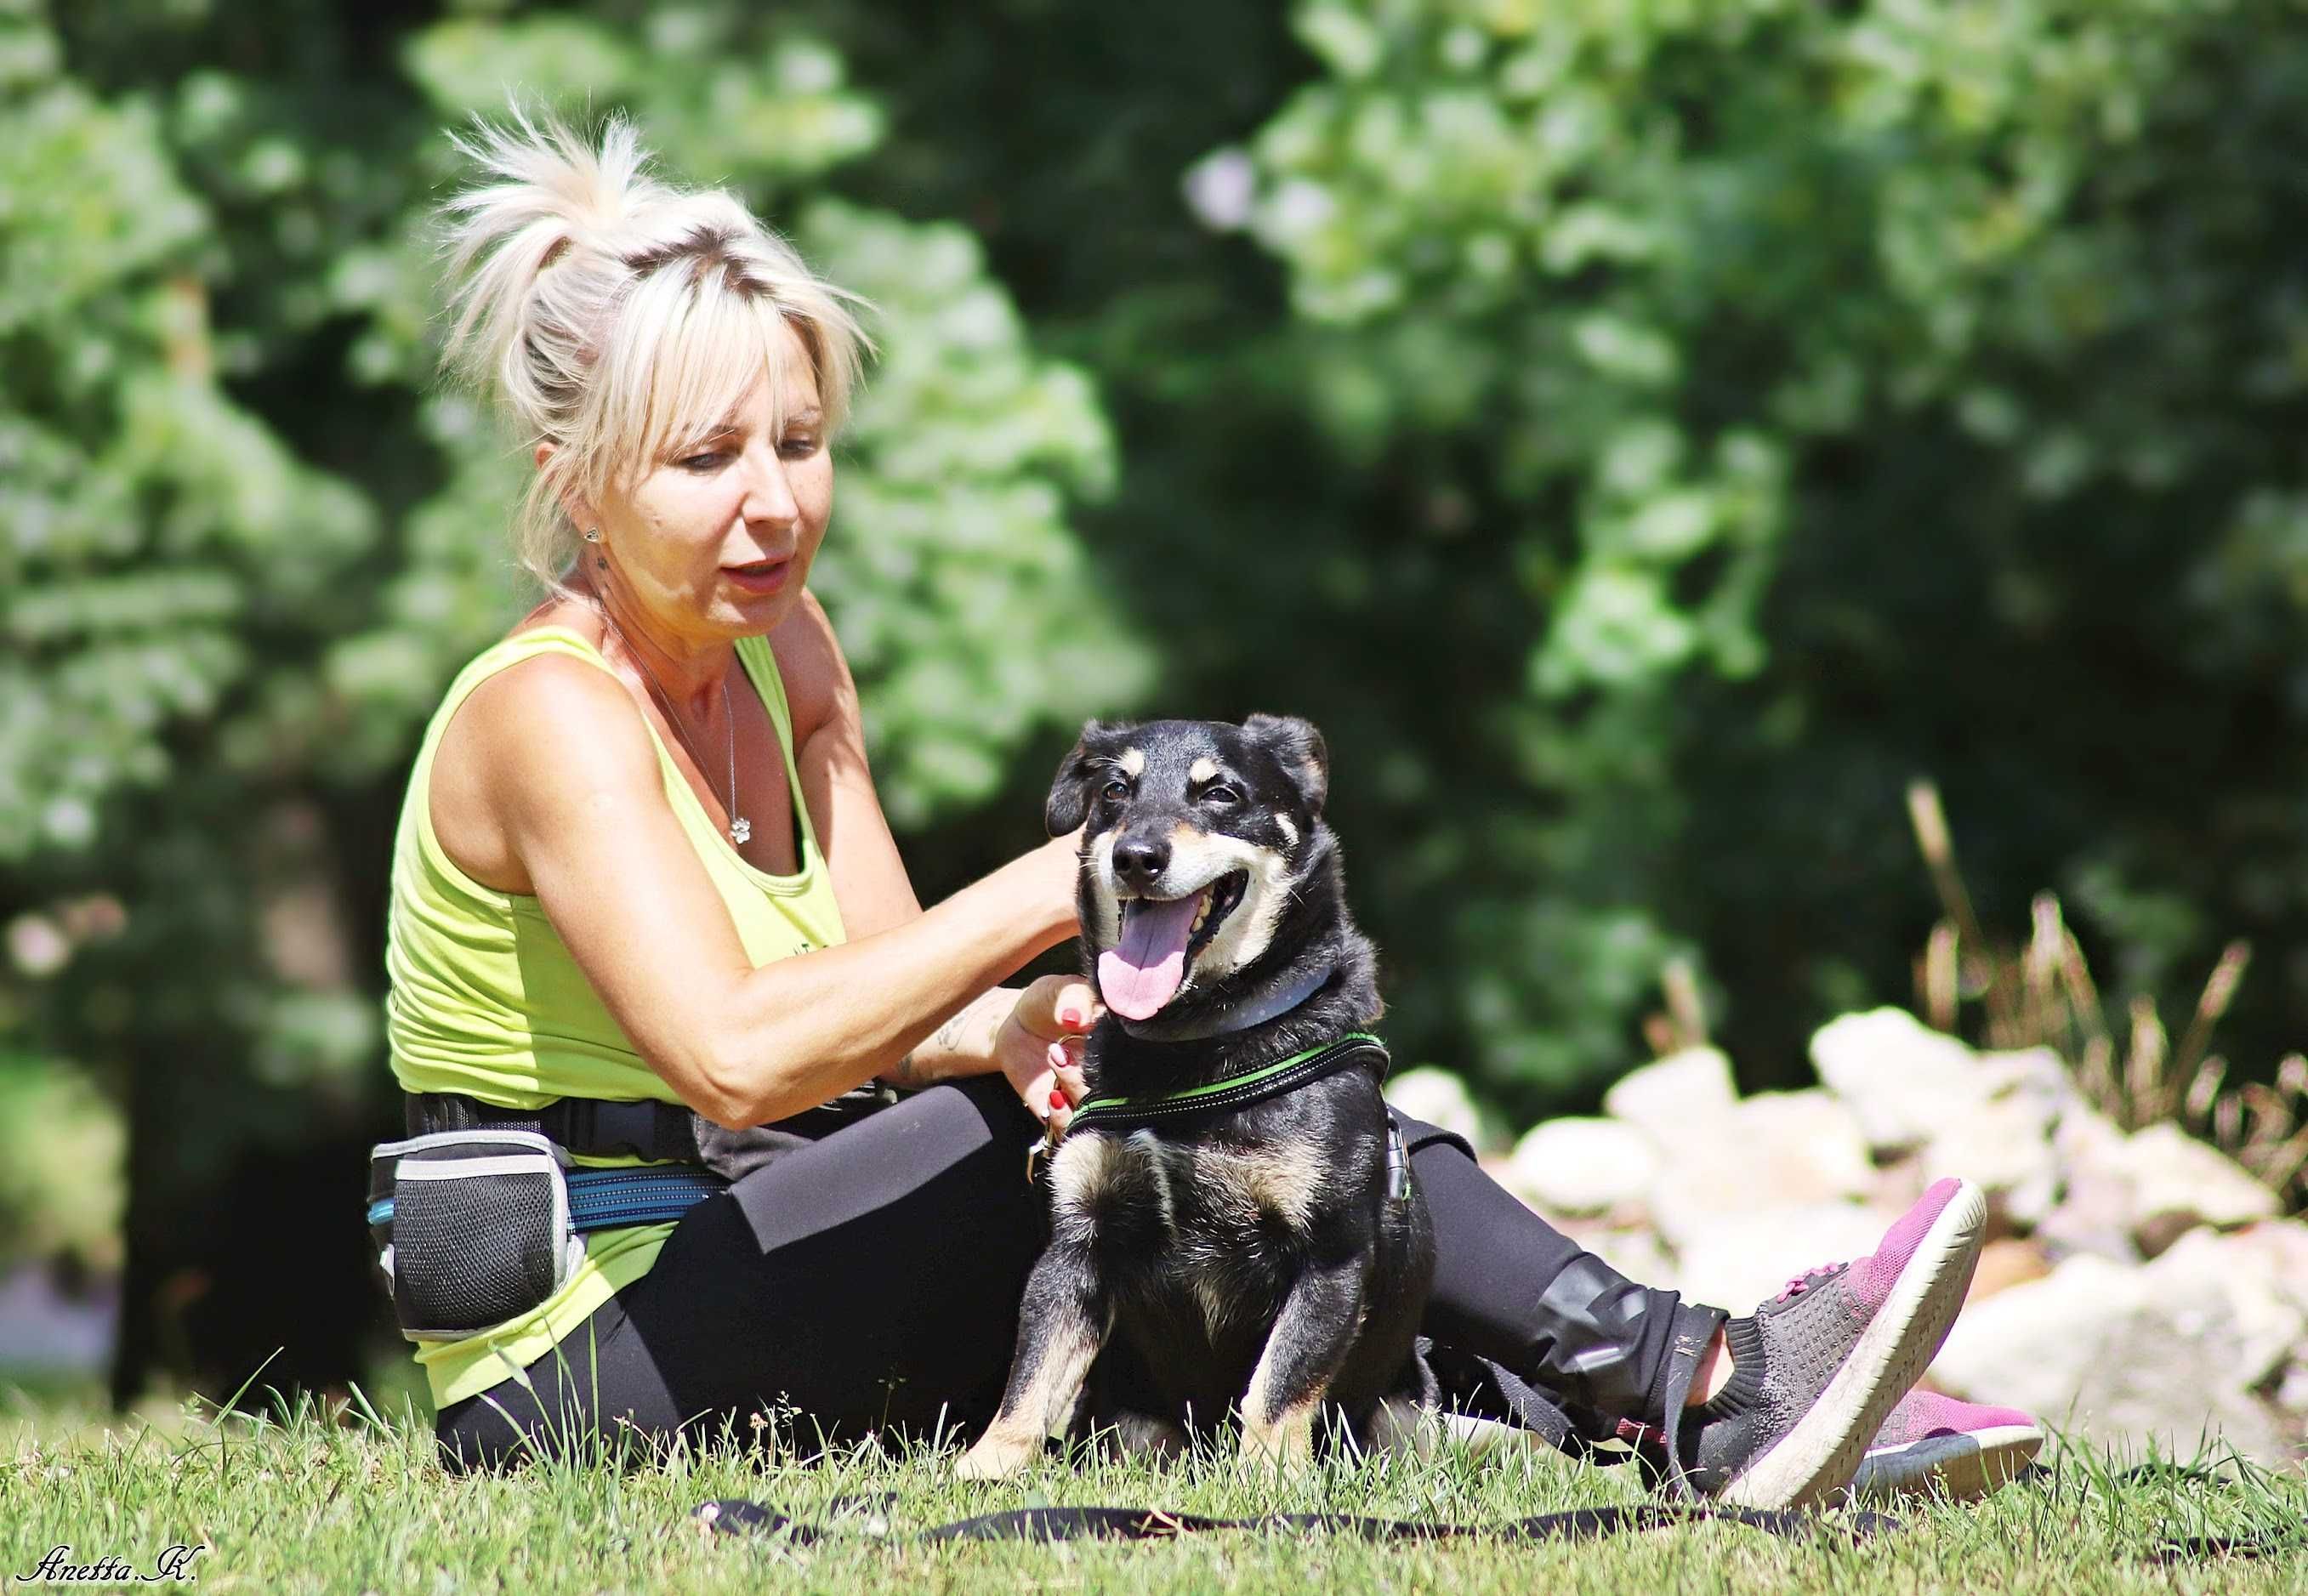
(716, 543)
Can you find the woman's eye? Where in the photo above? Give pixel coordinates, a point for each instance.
(1116, 790)
(705, 461)
(799, 448)
(1220, 793)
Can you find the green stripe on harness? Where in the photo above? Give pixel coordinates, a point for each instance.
(1236, 1091)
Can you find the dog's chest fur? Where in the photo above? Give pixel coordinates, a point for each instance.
(1217, 1224)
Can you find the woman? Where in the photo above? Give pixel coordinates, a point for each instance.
(641, 859)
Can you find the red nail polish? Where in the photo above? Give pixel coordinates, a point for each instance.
(1057, 1098)
(1069, 1016)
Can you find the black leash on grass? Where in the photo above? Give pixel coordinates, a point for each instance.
(2185, 1548)
(736, 1516)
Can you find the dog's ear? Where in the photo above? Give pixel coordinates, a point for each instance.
(1301, 750)
(1069, 799)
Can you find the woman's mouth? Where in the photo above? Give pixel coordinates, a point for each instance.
(763, 576)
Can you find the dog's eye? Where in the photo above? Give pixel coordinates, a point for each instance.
(1220, 793)
(1115, 790)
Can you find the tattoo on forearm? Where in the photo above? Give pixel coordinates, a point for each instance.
(949, 1034)
(987, 1010)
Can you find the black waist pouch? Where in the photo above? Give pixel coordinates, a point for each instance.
(472, 1227)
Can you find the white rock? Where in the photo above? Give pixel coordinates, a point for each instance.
(1987, 1117)
(1439, 1097)
(2173, 1350)
(1900, 1076)
(2093, 1213)
(1676, 1096)
(1582, 1166)
(2172, 1173)
(1736, 1261)
(1774, 1151)
(2001, 1138)
(1637, 1254)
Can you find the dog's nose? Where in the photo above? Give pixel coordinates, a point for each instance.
(1138, 860)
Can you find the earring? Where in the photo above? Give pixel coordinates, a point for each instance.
(593, 535)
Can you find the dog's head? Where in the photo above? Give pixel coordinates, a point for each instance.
(1198, 830)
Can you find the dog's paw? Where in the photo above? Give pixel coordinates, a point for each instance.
(1275, 1453)
(997, 1456)
(1400, 1426)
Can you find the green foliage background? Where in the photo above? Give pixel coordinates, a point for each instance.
(1642, 435)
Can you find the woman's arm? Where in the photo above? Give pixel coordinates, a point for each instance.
(572, 778)
(871, 885)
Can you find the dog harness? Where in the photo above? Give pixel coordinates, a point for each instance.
(1118, 1113)
(1121, 1115)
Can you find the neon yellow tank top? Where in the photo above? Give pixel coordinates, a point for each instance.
(485, 1000)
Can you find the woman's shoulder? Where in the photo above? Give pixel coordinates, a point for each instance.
(813, 669)
(538, 726)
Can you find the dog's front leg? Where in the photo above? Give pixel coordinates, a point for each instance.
(1310, 1339)
(1060, 1327)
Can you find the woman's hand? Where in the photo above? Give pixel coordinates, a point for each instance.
(1039, 1046)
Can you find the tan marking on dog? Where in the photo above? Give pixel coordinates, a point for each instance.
(1285, 1182)
(1079, 1175)
(1132, 762)
(1202, 769)
(1016, 1435)
(1249, 926)
(1106, 907)
(1280, 1441)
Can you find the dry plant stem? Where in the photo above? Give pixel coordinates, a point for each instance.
(1682, 1002)
(2219, 991)
(1942, 986)
(2045, 996)
(2143, 1069)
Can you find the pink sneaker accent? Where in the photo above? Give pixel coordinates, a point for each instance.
(1961, 1450)
(1873, 1277)
(1838, 1349)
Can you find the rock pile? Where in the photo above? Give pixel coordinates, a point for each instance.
(2135, 1286)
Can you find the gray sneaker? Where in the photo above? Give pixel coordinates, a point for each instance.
(1816, 1370)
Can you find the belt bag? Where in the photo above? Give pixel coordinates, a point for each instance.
(476, 1228)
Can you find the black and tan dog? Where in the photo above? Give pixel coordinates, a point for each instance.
(1262, 1255)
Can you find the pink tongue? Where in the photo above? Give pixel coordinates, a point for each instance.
(1141, 975)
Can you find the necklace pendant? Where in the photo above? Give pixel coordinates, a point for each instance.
(741, 831)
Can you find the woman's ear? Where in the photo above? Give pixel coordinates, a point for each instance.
(1301, 752)
(1069, 800)
(581, 514)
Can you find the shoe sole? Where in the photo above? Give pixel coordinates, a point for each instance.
(1962, 1468)
(1822, 1453)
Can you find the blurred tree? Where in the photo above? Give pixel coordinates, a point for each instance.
(1642, 437)
(222, 649)
(1842, 392)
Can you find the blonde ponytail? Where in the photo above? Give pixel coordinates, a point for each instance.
(616, 316)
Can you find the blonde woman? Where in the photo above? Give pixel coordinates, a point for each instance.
(645, 903)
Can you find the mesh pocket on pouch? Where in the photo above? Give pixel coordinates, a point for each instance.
(480, 1231)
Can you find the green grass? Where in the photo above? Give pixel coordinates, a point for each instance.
(310, 1500)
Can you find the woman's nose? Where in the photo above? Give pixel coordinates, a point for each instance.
(768, 496)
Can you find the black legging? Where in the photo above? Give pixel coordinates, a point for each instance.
(871, 1281)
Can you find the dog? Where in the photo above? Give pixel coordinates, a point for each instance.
(1268, 1259)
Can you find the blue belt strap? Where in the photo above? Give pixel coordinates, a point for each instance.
(607, 1199)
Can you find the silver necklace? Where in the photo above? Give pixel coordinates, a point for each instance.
(741, 829)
